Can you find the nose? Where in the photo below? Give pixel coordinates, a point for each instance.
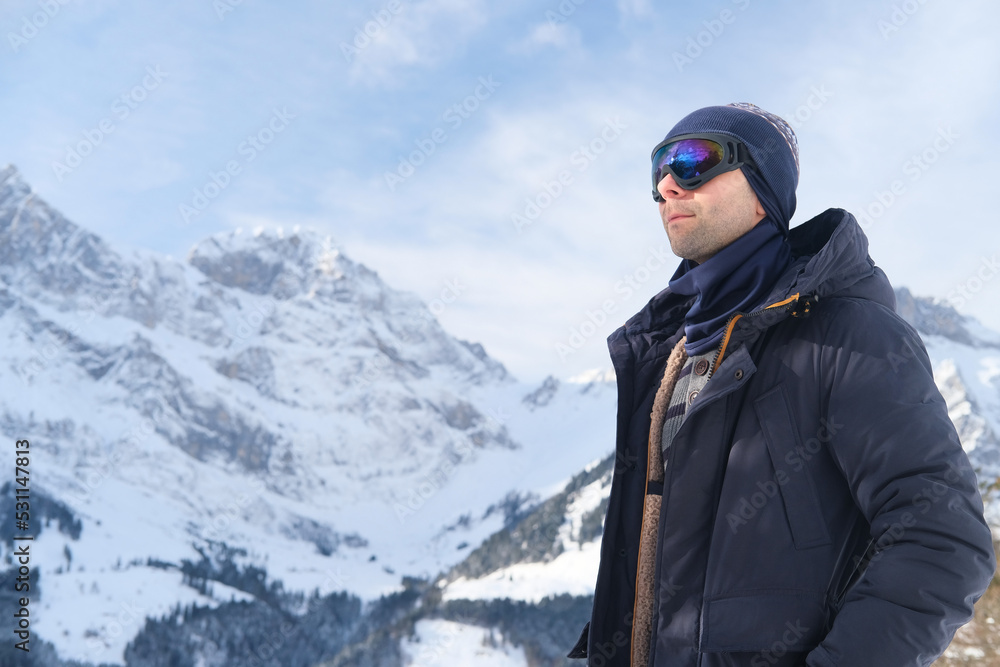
(668, 188)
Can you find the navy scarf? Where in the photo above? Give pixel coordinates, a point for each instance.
(737, 278)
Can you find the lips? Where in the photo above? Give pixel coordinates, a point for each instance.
(678, 216)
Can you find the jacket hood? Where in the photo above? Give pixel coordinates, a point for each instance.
(829, 257)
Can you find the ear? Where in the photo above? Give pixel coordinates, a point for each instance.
(759, 211)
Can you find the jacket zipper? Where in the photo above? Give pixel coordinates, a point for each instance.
(790, 303)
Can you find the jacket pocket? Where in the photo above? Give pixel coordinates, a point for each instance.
(773, 621)
(798, 492)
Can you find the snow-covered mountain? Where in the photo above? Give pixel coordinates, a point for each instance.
(966, 358)
(267, 403)
(264, 455)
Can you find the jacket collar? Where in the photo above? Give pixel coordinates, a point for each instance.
(829, 256)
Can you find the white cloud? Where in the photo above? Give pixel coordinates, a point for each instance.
(635, 8)
(558, 35)
(419, 34)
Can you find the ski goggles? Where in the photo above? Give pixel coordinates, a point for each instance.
(694, 159)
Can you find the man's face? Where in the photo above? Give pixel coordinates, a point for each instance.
(703, 221)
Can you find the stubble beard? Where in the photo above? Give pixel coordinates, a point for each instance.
(709, 231)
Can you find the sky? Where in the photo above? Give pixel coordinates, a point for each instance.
(493, 158)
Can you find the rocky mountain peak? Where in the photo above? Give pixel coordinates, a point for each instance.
(938, 318)
(41, 251)
(273, 262)
(12, 184)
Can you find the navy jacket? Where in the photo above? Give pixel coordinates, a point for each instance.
(818, 507)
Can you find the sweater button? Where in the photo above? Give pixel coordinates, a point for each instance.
(738, 374)
(693, 395)
(701, 367)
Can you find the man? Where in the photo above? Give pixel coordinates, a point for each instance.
(790, 489)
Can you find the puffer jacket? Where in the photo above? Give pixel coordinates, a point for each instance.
(817, 506)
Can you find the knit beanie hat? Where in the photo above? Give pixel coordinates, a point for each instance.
(772, 145)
